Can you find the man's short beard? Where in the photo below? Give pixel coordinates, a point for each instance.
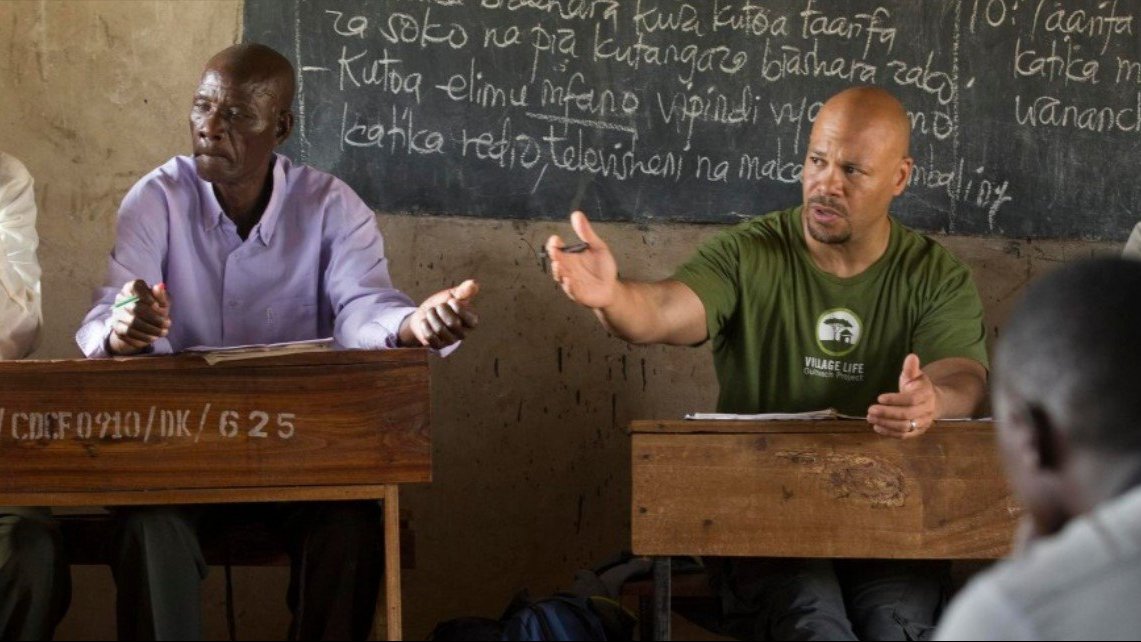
(838, 238)
(819, 235)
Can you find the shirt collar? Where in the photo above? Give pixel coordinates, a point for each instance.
(212, 213)
(211, 209)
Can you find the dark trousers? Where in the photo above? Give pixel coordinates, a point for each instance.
(35, 584)
(820, 599)
(335, 558)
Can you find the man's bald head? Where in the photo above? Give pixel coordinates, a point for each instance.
(257, 63)
(869, 108)
(856, 163)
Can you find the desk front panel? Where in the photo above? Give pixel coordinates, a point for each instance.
(177, 429)
(819, 490)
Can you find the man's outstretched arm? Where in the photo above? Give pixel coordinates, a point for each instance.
(636, 311)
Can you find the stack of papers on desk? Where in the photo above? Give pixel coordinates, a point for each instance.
(214, 355)
(811, 415)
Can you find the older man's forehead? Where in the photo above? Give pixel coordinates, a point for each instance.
(218, 83)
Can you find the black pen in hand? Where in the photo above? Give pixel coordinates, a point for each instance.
(577, 248)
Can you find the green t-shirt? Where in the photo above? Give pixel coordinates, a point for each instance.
(789, 337)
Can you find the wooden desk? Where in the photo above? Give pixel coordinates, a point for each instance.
(831, 489)
(334, 425)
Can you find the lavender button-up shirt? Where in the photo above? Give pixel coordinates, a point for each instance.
(313, 267)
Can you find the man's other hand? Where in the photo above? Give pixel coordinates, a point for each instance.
(442, 319)
(911, 411)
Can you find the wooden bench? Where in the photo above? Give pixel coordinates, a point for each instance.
(321, 426)
(829, 489)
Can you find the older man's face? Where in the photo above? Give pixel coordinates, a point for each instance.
(234, 127)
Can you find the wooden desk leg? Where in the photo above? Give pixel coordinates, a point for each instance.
(662, 600)
(392, 560)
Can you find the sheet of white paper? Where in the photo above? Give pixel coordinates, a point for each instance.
(812, 415)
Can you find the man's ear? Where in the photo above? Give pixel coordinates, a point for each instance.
(284, 126)
(903, 176)
(1049, 444)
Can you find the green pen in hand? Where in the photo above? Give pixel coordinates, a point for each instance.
(131, 299)
(125, 302)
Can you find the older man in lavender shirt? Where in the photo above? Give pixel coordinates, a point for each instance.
(238, 245)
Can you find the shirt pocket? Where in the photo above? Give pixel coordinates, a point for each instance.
(289, 319)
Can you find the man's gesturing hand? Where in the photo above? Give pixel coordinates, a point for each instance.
(911, 411)
(589, 277)
(442, 319)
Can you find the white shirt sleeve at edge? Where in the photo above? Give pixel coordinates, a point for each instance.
(982, 612)
(20, 304)
(1133, 245)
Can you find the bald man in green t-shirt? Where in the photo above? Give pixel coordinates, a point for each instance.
(831, 303)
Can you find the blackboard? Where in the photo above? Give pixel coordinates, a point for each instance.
(1026, 114)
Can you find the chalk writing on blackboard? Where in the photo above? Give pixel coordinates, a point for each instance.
(700, 111)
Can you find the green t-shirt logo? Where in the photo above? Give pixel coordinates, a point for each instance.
(838, 332)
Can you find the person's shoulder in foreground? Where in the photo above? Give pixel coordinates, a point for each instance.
(1071, 586)
(1067, 415)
